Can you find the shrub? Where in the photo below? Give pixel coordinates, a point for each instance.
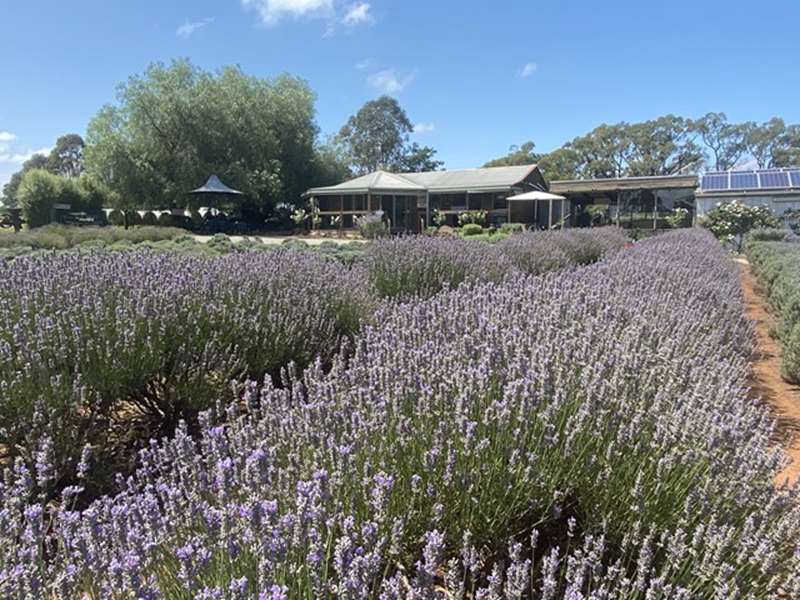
(38, 192)
(512, 227)
(422, 266)
(149, 218)
(549, 437)
(221, 243)
(767, 234)
(475, 217)
(777, 267)
(372, 227)
(116, 217)
(471, 229)
(111, 336)
(730, 221)
(165, 219)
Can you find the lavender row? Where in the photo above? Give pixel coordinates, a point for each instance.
(95, 348)
(585, 434)
(422, 266)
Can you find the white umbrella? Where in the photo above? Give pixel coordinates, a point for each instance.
(536, 195)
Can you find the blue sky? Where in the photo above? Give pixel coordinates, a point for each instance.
(475, 77)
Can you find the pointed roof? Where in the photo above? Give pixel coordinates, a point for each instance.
(215, 186)
(488, 178)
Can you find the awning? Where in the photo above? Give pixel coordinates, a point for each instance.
(536, 195)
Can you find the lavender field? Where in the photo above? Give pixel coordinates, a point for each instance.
(554, 416)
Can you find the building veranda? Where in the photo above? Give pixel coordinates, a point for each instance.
(413, 201)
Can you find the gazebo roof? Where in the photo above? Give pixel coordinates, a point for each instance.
(215, 186)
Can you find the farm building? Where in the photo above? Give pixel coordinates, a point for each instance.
(521, 194)
(409, 201)
(779, 189)
(641, 202)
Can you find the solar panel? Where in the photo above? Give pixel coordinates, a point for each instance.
(795, 177)
(744, 180)
(715, 181)
(774, 179)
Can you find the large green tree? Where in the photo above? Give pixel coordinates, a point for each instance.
(175, 125)
(377, 137)
(663, 146)
(773, 143)
(66, 157)
(725, 141)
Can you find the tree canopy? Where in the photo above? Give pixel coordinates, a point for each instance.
(377, 137)
(66, 157)
(664, 146)
(175, 125)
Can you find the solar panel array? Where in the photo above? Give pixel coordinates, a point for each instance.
(761, 179)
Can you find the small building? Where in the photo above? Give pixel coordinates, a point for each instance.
(778, 189)
(410, 201)
(635, 202)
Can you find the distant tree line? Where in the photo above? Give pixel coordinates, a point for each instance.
(664, 146)
(176, 124)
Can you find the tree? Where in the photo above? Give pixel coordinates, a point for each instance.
(175, 125)
(377, 137)
(40, 190)
(66, 158)
(787, 154)
(418, 159)
(561, 163)
(37, 161)
(517, 155)
(663, 146)
(725, 140)
(331, 164)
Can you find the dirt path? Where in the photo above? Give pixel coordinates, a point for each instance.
(783, 397)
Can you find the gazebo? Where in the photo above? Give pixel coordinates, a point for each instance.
(537, 196)
(214, 188)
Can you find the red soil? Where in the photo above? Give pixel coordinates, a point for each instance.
(766, 381)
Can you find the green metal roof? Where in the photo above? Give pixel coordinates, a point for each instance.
(431, 181)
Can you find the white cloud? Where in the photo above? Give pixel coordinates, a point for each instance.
(189, 27)
(528, 70)
(389, 82)
(363, 64)
(358, 14)
(424, 127)
(20, 157)
(7, 136)
(272, 11)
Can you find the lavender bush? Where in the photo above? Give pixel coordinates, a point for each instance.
(418, 266)
(421, 266)
(777, 267)
(584, 434)
(91, 345)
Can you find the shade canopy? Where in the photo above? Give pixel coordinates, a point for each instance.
(215, 186)
(536, 195)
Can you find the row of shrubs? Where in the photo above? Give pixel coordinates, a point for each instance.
(107, 348)
(775, 258)
(62, 237)
(546, 437)
(423, 266)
